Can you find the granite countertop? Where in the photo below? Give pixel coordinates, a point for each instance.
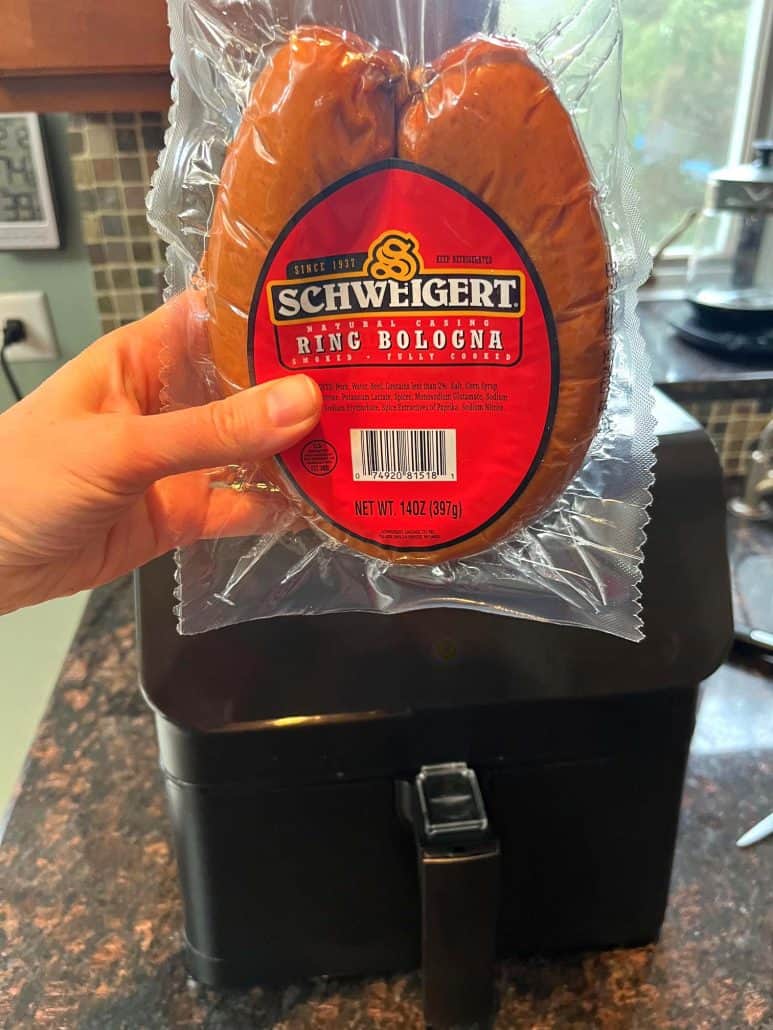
(90, 915)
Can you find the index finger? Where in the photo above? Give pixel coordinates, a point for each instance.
(165, 355)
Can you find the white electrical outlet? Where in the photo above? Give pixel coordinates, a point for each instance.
(39, 343)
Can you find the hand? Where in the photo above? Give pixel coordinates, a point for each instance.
(96, 482)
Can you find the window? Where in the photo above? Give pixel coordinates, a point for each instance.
(696, 79)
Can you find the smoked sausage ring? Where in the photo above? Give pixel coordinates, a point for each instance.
(325, 105)
(489, 119)
(484, 116)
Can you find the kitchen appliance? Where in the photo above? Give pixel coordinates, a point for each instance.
(755, 504)
(730, 275)
(359, 794)
(750, 547)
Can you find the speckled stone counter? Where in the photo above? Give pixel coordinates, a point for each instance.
(90, 914)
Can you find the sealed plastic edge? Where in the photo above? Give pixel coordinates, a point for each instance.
(634, 273)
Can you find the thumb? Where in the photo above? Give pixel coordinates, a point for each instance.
(247, 427)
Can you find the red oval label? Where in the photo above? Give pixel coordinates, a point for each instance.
(425, 324)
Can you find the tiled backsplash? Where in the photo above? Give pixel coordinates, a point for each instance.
(735, 426)
(113, 157)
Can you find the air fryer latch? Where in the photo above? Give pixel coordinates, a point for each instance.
(459, 876)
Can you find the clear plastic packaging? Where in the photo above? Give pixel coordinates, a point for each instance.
(459, 240)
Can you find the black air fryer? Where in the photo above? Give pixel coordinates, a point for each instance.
(360, 794)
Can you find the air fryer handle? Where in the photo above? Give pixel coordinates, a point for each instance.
(459, 879)
(459, 899)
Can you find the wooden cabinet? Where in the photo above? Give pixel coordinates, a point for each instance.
(84, 55)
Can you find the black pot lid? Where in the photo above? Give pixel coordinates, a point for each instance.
(699, 330)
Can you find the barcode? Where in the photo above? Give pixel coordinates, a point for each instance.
(404, 454)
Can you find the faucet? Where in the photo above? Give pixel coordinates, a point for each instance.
(755, 503)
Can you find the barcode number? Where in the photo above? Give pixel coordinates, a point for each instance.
(404, 455)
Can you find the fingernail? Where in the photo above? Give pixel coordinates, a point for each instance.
(292, 400)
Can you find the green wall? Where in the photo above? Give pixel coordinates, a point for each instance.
(64, 275)
(33, 642)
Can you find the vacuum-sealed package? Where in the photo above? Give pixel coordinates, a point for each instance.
(427, 207)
